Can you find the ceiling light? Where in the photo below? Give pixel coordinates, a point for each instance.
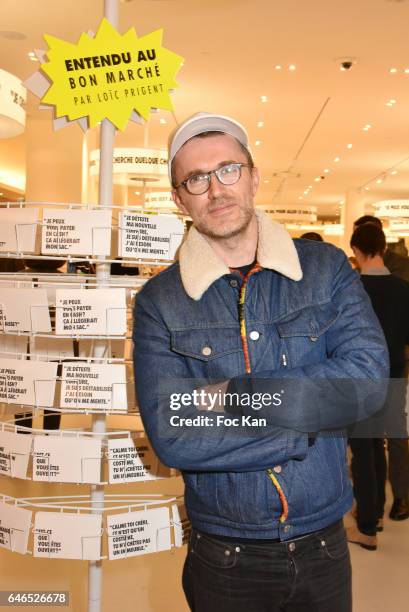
(317, 179)
(379, 181)
(367, 127)
(394, 172)
(162, 121)
(306, 192)
(337, 159)
(33, 59)
(291, 67)
(342, 202)
(258, 142)
(266, 181)
(349, 146)
(393, 70)
(278, 67)
(389, 104)
(406, 71)
(300, 197)
(263, 98)
(326, 170)
(260, 124)
(137, 192)
(392, 101)
(31, 54)
(309, 186)
(366, 188)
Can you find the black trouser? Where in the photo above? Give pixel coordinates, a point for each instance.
(307, 574)
(369, 476)
(398, 466)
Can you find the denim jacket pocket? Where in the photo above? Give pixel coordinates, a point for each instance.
(217, 350)
(303, 333)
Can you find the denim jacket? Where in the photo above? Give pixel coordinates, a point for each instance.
(314, 321)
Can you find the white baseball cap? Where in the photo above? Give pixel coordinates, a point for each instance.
(200, 123)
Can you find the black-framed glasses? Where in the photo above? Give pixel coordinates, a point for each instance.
(197, 184)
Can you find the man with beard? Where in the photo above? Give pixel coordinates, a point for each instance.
(245, 308)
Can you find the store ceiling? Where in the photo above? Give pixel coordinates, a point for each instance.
(231, 50)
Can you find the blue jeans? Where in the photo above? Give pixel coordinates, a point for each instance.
(308, 574)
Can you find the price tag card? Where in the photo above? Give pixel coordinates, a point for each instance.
(27, 382)
(15, 451)
(133, 460)
(76, 232)
(13, 346)
(24, 310)
(94, 386)
(91, 312)
(62, 459)
(138, 533)
(149, 236)
(49, 349)
(18, 228)
(14, 527)
(67, 535)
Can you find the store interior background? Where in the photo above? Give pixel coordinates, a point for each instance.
(312, 113)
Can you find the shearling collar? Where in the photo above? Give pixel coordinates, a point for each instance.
(200, 266)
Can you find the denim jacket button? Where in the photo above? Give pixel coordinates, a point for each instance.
(254, 335)
(234, 283)
(206, 351)
(287, 528)
(277, 469)
(313, 338)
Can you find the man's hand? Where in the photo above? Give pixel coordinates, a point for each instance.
(212, 397)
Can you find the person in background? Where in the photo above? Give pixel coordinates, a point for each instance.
(390, 300)
(398, 265)
(312, 236)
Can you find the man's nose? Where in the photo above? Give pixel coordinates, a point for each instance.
(215, 187)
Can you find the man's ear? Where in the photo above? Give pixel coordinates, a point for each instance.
(255, 180)
(178, 202)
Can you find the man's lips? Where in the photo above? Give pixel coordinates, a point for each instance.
(222, 209)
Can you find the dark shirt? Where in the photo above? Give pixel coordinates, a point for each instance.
(397, 264)
(390, 300)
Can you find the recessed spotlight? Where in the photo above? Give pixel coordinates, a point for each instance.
(309, 186)
(291, 67)
(393, 70)
(392, 101)
(326, 170)
(266, 181)
(366, 188)
(260, 123)
(317, 179)
(342, 202)
(306, 192)
(162, 121)
(278, 67)
(367, 127)
(337, 159)
(31, 54)
(257, 143)
(137, 192)
(394, 172)
(379, 181)
(406, 71)
(349, 146)
(263, 98)
(300, 197)
(33, 59)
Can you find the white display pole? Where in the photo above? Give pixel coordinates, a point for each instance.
(102, 274)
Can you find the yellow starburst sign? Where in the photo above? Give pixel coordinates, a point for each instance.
(110, 75)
